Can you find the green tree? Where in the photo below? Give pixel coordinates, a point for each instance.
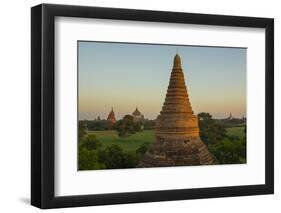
(90, 143)
(114, 157)
(88, 149)
(89, 160)
(142, 149)
(230, 151)
(98, 125)
(127, 126)
(210, 131)
(81, 130)
(149, 124)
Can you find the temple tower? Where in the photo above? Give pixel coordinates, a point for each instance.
(111, 117)
(177, 134)
(230, 117)
(137, 115)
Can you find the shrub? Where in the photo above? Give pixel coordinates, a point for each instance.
(114, 157)
(88, 160)
(142, 149)
(127, 126)
(230, 151)
(90, 143)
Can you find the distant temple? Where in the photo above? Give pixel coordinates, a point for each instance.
(111, 117)
(177, 133)
(137, 115)
(229, 117)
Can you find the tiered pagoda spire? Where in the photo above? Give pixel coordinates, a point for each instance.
(177, 134)
(111, 116)
(177, 117)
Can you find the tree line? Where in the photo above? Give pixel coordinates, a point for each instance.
(226, 149)
(92, 155)
(102, 124)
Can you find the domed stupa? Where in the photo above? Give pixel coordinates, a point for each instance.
(137, 115)
(177, 134)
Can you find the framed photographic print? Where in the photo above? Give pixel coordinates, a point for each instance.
(140, 106)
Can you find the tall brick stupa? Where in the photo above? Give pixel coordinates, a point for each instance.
(111, 117)
(177, 140)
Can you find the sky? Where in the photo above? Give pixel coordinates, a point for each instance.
(126, 75)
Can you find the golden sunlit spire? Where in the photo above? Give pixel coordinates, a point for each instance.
(177, 62)
(177, 133)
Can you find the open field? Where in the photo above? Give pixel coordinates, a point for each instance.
(236, 131)
(132, 143)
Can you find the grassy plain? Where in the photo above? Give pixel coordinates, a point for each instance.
(236, 131)
(133, 142)
(130, 144)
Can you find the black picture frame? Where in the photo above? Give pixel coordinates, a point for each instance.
(43, 102)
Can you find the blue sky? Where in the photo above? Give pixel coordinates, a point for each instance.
(124, 75)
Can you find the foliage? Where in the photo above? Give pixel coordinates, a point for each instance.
(81, 131)
(90, 143)
(148, 124)
(127, 126)
(93, 155)
(88, 153)
(114, 157)
(228, 146)
(142, 149)
(106, 150)
(210, 131)
(102, 125)
(89, 160)
(230, 151)
(96, 125)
